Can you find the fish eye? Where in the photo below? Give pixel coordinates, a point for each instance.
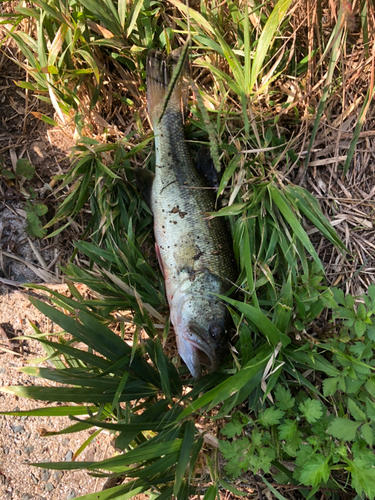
(216, 330)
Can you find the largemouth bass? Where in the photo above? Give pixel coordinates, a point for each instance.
(195, 254)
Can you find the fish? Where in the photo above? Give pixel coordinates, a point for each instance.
(195, 252)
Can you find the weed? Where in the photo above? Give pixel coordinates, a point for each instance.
(326, 431)
(25, 171)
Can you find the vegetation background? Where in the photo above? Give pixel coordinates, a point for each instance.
(282, 95)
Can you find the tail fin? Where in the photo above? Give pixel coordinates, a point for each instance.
(165, 82)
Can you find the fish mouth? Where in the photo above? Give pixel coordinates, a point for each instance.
(195, 351)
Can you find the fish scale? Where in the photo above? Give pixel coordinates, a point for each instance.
(195, 252)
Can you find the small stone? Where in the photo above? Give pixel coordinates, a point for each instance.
(28, 449)
(65, 442)
(69, 456)
(34, 479)
(18, 452)
(26, 496)
(49, 487)
(58, 475)
(24, 417)
(5, 450)
(18, 428)
(45, 475)
(17, 408)
(71, 494)
(2, 370)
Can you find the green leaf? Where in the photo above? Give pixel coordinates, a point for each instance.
(349, 301)
(355, 411)
(361, 312)
(120, 389)
(284, 207)
(343, 428)
(25, 169)
(311, 410)
(284, 307)
(367, 434)
(210, 493)
(370, 409)
(315, 470)
(310, 207)
(304, 454)
(135, 390)
(228, 172)
(271, 416)
(363, 477)
(232, 489)
(357, 349)
(284, 398)
(233, 452)
(261, 321)
(39, 209)
(123, 492)
(266, 37)
(119, 463)
(232, 429)
(370, 386)
(34, 225)
(360, 328)
(360, 121)
(194, 14)
(161, 362)
(45, 118)
(330, 386)
(133, 17)
(288, 430)
(231, 385)
(7, 174)
(184, 457)
(272, 489)
(53, 411)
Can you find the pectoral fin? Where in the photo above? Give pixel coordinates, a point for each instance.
(144, 179)
(206, 167)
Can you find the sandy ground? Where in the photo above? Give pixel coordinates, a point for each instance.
(21, 438)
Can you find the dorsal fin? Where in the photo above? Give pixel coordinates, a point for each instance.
(165, 82)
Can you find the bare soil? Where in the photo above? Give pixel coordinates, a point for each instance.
(22, 439)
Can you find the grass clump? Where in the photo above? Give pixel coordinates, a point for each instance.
(294, 403)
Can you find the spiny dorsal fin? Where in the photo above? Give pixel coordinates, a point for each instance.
(165, 86)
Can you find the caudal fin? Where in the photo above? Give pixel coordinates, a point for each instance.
(165, 82)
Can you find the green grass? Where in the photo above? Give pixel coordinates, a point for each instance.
(304, 400)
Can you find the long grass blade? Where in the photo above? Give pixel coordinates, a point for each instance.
(184, 457)
(266, 37)
(291, 219)
(337, 36)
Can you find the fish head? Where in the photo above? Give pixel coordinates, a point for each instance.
(201, 327)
